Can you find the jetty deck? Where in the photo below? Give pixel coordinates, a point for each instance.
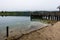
(48, 15)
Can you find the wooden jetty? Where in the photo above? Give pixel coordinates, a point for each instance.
(49, 15)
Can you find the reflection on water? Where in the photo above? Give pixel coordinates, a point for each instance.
(14, 22)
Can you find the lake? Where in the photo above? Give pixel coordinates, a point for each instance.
(18, 25)
(19, 22)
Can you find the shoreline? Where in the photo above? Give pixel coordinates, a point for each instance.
(15, 37)
(14, 34)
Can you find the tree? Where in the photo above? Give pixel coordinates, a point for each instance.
(58, 8)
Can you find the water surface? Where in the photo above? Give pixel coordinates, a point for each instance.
(14, 22)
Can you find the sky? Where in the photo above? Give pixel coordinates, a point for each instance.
(29, 5)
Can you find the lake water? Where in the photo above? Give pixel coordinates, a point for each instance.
(14, 22)
(18, 24)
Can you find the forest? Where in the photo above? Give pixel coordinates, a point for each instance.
(22, 13)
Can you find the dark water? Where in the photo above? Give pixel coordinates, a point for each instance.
(14, 22)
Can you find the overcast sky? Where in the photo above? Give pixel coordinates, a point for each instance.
(29, 5)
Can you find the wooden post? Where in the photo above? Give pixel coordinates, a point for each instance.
(59, 18)
(48, 17)
(7, 31)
